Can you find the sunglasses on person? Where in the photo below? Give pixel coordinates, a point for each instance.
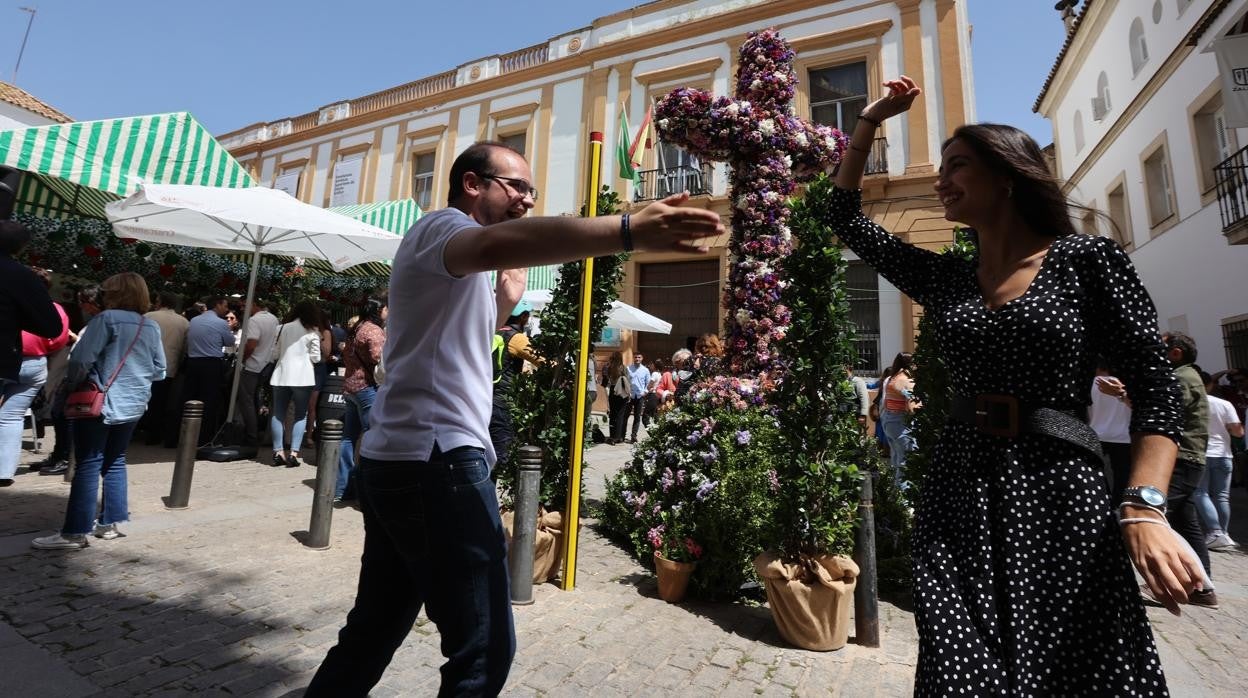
(520, 187)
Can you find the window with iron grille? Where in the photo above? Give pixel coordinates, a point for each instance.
(1235, 338)
(863, 286)
(422, 179)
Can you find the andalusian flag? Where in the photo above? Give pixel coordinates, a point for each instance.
(622, 154)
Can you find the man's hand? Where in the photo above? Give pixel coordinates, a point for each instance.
(509, 289)
(1166, 565)
(668, 226)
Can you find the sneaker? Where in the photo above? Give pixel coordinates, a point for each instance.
(59, 542)
(107, 532)
(278, 460)
(1205, 598)
(292, 461)
(58, 468)
(1221, 542)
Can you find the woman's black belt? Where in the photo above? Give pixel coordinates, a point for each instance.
(1005, 416)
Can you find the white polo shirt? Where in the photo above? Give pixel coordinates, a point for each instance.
(261, 327)
(439, 380)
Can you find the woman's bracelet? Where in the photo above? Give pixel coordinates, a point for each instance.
(1144, 519)
(863, 117)
(861, 150)
(1141, 505)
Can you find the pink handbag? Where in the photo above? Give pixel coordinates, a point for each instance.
(87, 400)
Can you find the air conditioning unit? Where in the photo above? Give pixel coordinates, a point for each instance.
(1099, 109)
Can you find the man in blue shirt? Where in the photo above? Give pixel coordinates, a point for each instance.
(206, 339)
(639, 384)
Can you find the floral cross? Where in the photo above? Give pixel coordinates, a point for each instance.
(764, 143)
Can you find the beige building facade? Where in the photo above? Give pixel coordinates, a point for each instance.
(546, 99)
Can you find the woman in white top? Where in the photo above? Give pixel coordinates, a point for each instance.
(298, 348)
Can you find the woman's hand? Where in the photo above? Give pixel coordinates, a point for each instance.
(1168, 567)
(900, 97)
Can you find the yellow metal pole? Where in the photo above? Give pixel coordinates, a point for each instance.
(572, 524)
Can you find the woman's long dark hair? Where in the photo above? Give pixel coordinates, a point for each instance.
(1011, 153)
(371, 311)
(904, 361)
(307, 314)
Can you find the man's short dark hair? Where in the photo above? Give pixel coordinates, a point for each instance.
(168, 299)
(1185, 344)
(13, 237)
(213, 301)
(476, 158)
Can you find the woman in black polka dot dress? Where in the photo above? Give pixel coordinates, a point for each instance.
(1022, 582)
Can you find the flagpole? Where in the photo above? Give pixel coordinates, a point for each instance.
(572, 512)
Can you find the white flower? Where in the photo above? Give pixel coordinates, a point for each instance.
(801, 139)
(771, 196)
(732, 109)
(663, 123)
(782, 78)
(756, 84)
(788, 161)
(743, 317)
(767, 126)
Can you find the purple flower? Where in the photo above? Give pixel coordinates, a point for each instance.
(743, 437)
(773, 481)
(705, 489)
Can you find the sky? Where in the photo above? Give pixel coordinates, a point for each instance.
(232, 63)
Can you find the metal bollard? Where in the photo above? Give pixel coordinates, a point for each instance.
(184, 462)
(524, 525)
(326, 477)
(866, 594)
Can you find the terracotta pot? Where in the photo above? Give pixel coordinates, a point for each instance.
(673, 578)
(810, 598)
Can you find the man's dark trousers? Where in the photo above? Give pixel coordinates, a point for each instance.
(432, 537)
(204, 376)
(636, 406)
(1181, 510)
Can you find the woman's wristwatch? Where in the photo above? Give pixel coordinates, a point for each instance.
(1145, 494)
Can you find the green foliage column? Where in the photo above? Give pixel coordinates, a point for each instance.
(542, 401)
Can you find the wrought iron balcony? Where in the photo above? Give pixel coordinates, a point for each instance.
(1231, 176)
(877, 160)
(663, 182)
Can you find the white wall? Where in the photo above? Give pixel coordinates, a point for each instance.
(13, 116)
(1195, 277)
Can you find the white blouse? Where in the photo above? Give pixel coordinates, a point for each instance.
(297, 349)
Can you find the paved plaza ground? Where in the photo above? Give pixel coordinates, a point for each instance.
(223, 599)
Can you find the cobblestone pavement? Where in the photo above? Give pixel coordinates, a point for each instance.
(223, 599)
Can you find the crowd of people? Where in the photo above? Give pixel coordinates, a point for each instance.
(642, 389)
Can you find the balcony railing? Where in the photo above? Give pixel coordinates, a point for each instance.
(661, 183)
(877, 160)
(524, 58)
(1231, 176)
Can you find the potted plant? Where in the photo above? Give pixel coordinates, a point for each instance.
(808, 575)
(676, 553)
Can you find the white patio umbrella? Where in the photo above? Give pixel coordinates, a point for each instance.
(621, 317)
(258, 219)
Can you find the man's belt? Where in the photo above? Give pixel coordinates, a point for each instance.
(1005, 416)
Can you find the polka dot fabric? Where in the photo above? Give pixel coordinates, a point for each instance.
(1022, 582)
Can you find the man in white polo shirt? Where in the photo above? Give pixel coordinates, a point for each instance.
(432, 530)
(257, 353)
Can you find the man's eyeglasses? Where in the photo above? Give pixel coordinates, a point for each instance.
(519, 186)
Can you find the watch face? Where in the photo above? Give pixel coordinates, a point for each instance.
(1152, 496)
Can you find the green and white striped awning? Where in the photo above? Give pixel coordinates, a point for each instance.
(75, 169)
(542, 278)
(395, 216)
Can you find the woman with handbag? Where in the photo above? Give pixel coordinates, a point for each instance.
(618, 393)
(298, 348)
(20, 395)
(360, 357)
(112, 367)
